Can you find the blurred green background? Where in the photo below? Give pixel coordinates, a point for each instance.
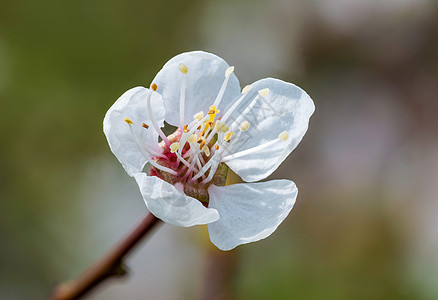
(365, 225)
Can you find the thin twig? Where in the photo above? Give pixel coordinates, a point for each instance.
(111, 265)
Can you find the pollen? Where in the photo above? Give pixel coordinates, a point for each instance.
(185, 130)
(213, 112)
(183, 68)
(228, 136)
(244, 126)
(283, 136)
(246, 89)
(128, 121)
(173, 147)
(192, 138)
(229, 71)
(216, 147)
(198, 116)
(154, 87)
(206, 150)
(145, 125)
(264, 92)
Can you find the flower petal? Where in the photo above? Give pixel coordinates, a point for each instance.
(129, 142)
(167, 203)
(206, 73)
(286, 107)
(249, 211)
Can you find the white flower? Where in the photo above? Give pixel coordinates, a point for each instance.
(251, 131)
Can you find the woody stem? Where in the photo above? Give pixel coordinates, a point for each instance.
(110, 265)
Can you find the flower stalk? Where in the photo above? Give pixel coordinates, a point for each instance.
(109, 266)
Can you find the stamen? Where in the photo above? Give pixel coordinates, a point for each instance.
(154, 87)
(148, 153)
(198, 116)
(244, 126)
(128, 121)
(228, 136)
(182, 96)
(283, 136)
(246, 110)
(264, 92)
(216, 147)
(214, 160)
(183, 68)
(145, 125)
(218, 99)
(160, 167)
(229, 71)
(154, 122)
(246, 89)
(181, 159)
(174, 147)
(192, 138)
(185, 130)
(213, 112)
(206, 150)
(185, 136)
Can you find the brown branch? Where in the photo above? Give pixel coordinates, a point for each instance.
(111, 265)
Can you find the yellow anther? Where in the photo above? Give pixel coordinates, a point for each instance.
(246, 89)
(264, 92)
(173, 147)
(145, 125)
(198, 116)
(229, 71)
(216, 147)
(206, 150)
(183, 68)
(244, 126)
(283, 136)
(192, 138)
(213, 112)
(228, 136)
(154, 87)
(128, 121)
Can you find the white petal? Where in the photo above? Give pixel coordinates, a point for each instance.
(249, 211)
(206, 73)
(168, 204)
(130, 150)
(286, 107)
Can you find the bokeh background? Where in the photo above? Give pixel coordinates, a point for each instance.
(365, 225)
